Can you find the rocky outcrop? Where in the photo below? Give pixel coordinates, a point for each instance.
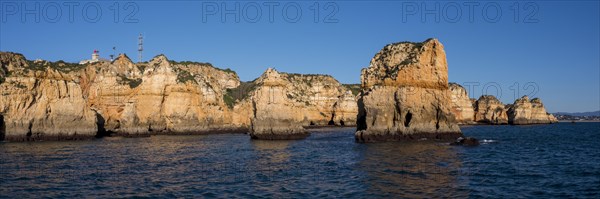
(524, 111)
(39, 102)
(59, 100)
(161, 97)
(490, 110)
(345, 110)
(274, 114)
(405, 95)
(462, 106)
(283, 103)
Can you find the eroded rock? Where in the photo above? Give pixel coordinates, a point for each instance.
(462, 106)
(405, 95)
(524, 111)
(490, 110)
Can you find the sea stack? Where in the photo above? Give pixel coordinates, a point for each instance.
(405, 95)
(523, 111)
(489, 110)
(462, 106)
(274, 116)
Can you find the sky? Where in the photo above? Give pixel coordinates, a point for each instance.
(545, 49)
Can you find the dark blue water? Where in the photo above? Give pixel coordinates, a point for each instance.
(545, 161)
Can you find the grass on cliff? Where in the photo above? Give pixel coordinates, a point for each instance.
(354, 88)
(133, 83)
(59, 65)
(239, 93)
(184, 76)
(186, 63)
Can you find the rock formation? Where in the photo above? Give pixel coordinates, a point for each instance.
(274, 114)
(283, 103)
(490, 110)
(523, 111)
(38, 101)
(462, 106)
(345, 110)
(405, 95)
(59, 100)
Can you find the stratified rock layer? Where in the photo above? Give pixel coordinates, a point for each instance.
(462, 106)
(42, 103)
(523, 111)
(283, 103)
(405, 95)
(56, 100)
(490, 110)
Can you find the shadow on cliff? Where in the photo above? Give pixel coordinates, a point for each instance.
(2, 128)
(102, 132)
(361, 121)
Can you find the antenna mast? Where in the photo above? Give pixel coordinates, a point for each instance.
(140, 47)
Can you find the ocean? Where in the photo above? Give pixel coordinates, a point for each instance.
(535, 161)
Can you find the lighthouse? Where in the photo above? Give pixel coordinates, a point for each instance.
(95, 56)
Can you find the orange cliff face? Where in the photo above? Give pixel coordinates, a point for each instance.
(405, 95)
(489, 110)
(51, 100)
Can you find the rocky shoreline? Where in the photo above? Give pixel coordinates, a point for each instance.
(488, 110)
(404, 95)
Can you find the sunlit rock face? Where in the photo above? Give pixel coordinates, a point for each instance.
(524, 111)
(462, 106)
(56, 100)
(405, 95)
(41, 102)
(489, 110)
(283, 103)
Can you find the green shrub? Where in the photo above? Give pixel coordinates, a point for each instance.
(133, 83)
(184, 76)
(228, 100)
(239, 93)
(354, 88)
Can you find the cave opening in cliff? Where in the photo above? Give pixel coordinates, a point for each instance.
(2, 128)
(407, 119)
(102, 132)
(331, 122)
(361, 120)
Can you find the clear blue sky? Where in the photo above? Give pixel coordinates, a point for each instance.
(553, 44)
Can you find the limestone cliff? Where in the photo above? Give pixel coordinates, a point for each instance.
(37, 101)
(59, 100)
(345, 110)
(462, 106)
(405, 94)
(524, 111)
(160, 96)
(283, 103)
(490, 110)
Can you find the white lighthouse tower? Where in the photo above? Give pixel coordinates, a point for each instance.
(95, 56)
